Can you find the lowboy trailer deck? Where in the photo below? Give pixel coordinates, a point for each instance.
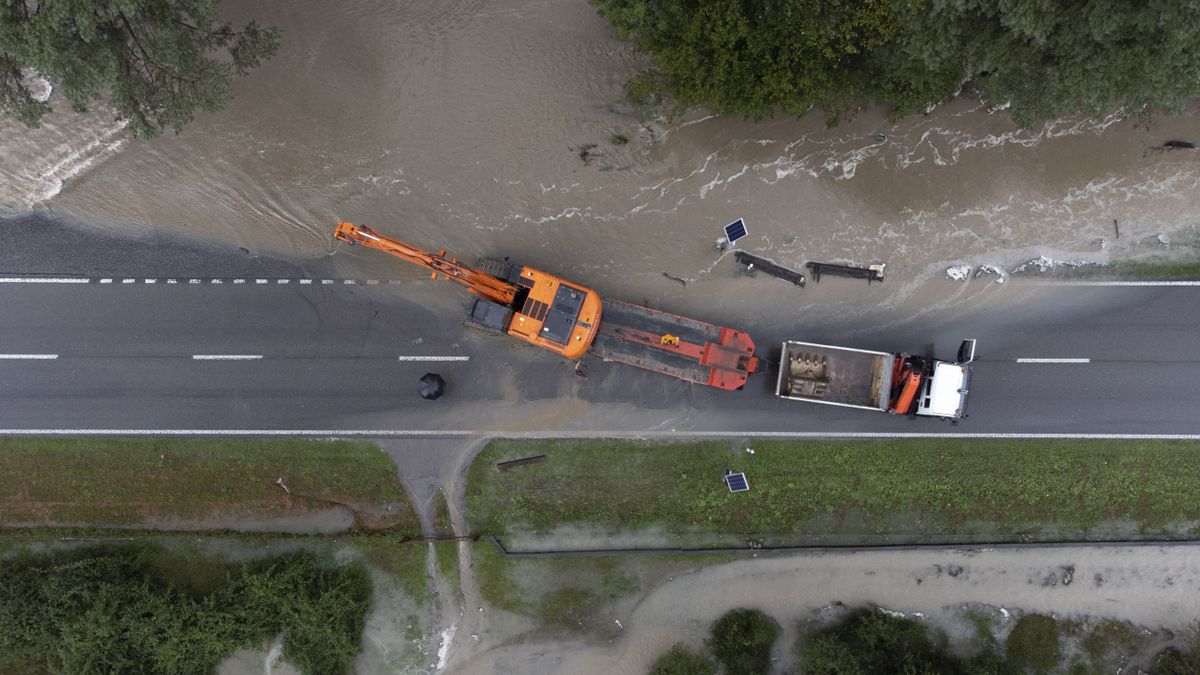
(674, 345)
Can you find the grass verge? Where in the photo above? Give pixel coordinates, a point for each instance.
(442, 527)
(1050, 489)
(447, 565)
(1163, 268)
(213, 483)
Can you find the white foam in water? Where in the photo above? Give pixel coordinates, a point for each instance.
(906, 144)
(40, 161)
(443, 654)
(958, 272)
(76, 161)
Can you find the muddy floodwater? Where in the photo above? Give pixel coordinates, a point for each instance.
(1152, 587)
(500, 127)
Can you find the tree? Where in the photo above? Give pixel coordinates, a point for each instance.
(155, 61)
(1049, 58)
(742, 641)
(1043, 57)
(751, 57)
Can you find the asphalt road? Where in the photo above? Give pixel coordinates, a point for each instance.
(324, 354)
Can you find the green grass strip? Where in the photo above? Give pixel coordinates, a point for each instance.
(839, 487)
(1146, 269)
(149, 481)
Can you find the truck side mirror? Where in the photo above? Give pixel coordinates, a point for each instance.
(966, 352)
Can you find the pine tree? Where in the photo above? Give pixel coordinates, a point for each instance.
(155, 61)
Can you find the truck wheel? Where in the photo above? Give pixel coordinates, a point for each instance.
(497, 268)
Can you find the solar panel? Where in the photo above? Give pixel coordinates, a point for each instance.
(736, 230)
(737, 482)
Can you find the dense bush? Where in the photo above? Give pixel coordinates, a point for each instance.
(873, 641)
(1034, 644)
(742, 641)
(753, 57)
(682, 661)
(132, 611)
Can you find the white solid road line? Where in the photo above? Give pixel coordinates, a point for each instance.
(636, 435)
(44, 280)
(434, 358)
(1123, 283)
(34, 357)
(227, 357)
(1054, 360)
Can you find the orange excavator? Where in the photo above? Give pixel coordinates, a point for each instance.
(528, 304)
(571, 320)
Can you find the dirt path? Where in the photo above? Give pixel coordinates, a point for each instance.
(1153, 586)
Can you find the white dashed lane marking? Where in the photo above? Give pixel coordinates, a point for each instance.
(227, 357)
(1054, 360)
(30, 357)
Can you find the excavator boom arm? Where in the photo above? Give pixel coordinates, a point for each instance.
(479, 283)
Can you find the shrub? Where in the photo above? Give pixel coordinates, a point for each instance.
(1034, 644)
(742, 641)
(1180, 661)
(871, 641)
(682, 661)
(110, 610)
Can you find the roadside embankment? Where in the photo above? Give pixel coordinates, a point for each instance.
(618, 494)
(202, 484)
(1110, 605)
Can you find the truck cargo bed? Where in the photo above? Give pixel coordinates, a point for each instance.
(674, 345)
(835, 375)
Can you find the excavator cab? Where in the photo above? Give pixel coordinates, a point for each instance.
(554, 314)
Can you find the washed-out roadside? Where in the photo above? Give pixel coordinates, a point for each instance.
(573, 614)
(619, 612)
(197, 512)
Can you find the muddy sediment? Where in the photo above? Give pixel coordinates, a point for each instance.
(1148, 586)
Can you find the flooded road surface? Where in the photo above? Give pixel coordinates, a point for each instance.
(497, 127)
(1152, 586)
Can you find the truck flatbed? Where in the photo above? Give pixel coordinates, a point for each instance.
(855, 378)
(674, 345)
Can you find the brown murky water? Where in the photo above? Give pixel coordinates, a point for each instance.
(1152, 587)
(467, 124)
